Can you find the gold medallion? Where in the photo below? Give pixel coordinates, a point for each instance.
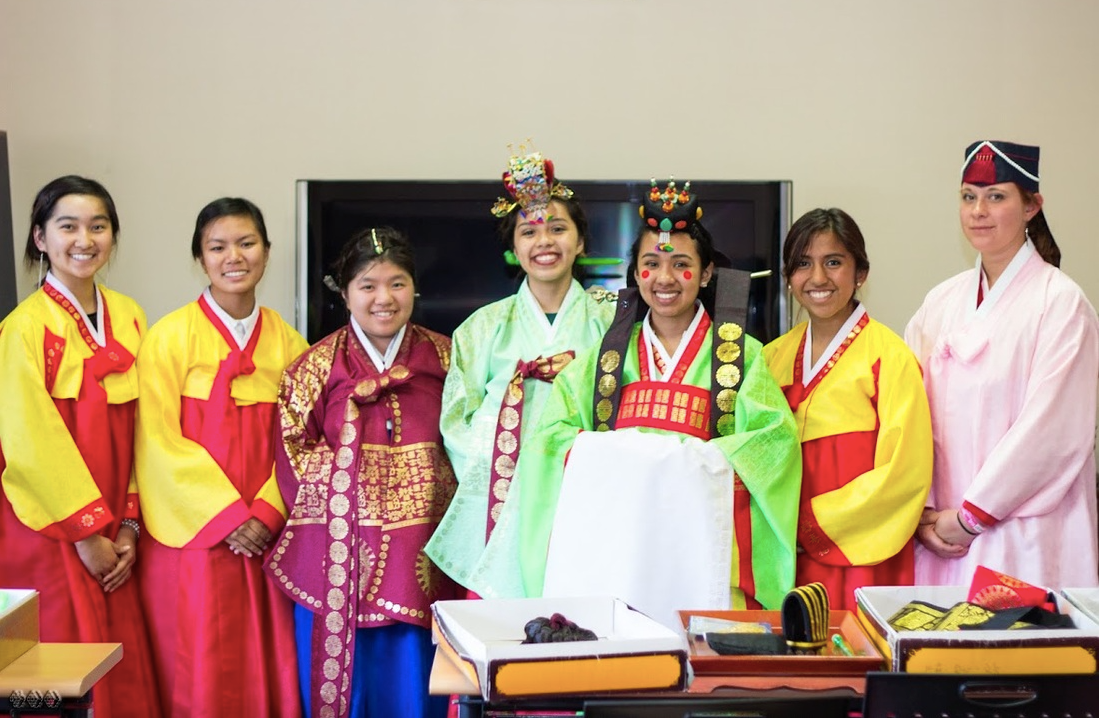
(729, 331)
(607, 384)
(509, 418)
(726, 425)
(728, 375)
(728, 352)
(726, 400)
(506, 442)
(603, 410)
(609, 361)
(505, 466)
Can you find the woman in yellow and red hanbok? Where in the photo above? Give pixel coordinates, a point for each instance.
(862, 415)
(69, 510)
(209, 375)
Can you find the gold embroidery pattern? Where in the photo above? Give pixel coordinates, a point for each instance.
(279, 552)
(299, 391)
(441, 344)
(403, 483)
(373, 577)
(395, 408)
(428, 575)
(676, 407)
(728, 376)
(341, 568)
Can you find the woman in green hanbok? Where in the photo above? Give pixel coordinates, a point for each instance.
(504, 358)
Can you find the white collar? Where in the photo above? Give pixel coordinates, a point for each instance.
(381, 362)
(97, 330)
(240, 329)
(549, 329)
(809, 372)
(652, 340)
(991, 296)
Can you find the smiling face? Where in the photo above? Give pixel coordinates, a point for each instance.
(77, 238)
(994, 218)
(669, 281)
(546, 251)
(380, 298)
(234, 258)
(824, 280)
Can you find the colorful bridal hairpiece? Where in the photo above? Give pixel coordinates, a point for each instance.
(531, 186)
(378, 248)
(992, 162)
(670, 209)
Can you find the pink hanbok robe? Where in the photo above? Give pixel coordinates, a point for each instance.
(1012, 388)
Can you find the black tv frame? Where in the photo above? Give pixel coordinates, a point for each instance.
(318, 201)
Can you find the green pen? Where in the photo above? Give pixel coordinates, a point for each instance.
(842, 645)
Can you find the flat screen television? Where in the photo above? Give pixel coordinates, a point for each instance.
(459, 258)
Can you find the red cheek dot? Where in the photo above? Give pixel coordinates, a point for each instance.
(645, 274)
(687, 274)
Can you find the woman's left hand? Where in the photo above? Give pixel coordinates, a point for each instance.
(249, 539)
(125, 546)
(948, 527)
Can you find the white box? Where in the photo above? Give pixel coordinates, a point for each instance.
(1021, 652)
(1085, 599)
(633, 653)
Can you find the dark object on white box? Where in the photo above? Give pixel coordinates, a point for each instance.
(555, 629)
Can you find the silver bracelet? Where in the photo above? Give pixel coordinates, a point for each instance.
(134, 525)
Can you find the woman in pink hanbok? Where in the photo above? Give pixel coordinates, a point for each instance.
(1010, 352)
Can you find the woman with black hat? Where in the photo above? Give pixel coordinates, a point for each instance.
(1010, 351)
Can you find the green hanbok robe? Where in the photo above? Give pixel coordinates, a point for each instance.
(485, 351)
(763, 452)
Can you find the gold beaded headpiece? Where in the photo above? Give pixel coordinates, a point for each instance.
(531, 186)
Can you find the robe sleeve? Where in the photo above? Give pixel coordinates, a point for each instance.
(302, 453)
(268, 505)
(915, 338)
(766, 455)
(1045, 450)
(45, 479)
(873, 516)
(187, 500)
(133, 503)
(463, 393)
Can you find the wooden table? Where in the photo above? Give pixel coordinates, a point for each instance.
(69, 669)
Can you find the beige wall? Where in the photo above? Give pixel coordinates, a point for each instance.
(864, 104)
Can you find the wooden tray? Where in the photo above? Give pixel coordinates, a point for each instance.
(706, 662)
